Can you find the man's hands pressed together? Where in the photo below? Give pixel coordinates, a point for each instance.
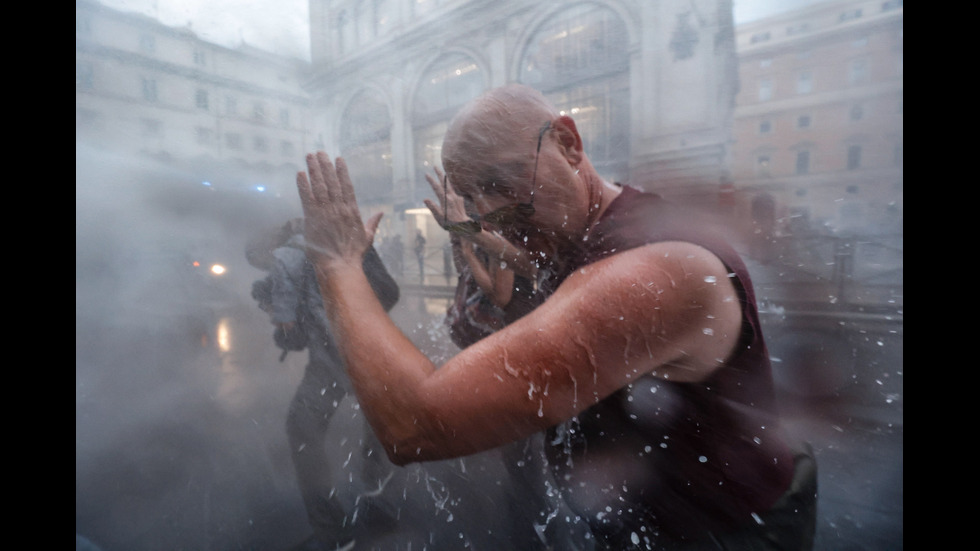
(334, 231)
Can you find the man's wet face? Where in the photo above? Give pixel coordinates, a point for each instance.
(501, 196)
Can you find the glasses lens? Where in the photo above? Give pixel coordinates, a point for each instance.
(509, 214)
(468, 227)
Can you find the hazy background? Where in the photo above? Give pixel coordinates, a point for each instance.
(181, 396)
(283, 26)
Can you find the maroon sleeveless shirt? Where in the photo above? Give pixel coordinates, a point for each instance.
(665, 460)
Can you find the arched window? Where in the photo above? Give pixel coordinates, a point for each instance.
(579, 60)
(450, 81)
(365, 143)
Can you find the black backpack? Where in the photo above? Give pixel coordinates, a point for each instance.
(297, 338)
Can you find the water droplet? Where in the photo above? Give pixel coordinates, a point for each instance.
(708, 331)
(710, 279)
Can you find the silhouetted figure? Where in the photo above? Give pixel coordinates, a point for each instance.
(398, 255)
(296, 309)
(420, 254)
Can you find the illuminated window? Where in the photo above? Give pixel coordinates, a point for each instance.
(365, 143)
(579, 60)
(450, 81)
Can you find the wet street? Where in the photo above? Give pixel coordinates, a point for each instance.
(180, 442)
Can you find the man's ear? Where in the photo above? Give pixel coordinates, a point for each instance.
(569, 139)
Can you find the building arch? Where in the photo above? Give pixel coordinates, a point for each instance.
(547, 13)
(579, 57)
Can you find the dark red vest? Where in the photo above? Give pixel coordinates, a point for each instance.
(675, 459)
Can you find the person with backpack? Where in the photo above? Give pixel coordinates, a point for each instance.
(295, 307)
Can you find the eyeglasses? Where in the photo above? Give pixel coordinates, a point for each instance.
(506, 214)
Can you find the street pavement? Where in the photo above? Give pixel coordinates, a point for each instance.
(180, 443)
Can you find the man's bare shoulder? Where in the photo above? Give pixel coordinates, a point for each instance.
(674, 298)
(682, 261)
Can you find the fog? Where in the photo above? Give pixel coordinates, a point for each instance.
(181, 394)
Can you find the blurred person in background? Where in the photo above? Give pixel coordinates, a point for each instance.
(645, 366)
(291, 297)
(420, 254)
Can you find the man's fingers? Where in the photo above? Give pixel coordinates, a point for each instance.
(317, 182)
(329, 175)
(344, 185)
(371, 227)
(434, 209)
(305, 193)
(436, 187)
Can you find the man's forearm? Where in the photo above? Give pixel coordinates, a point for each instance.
(385, 367)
